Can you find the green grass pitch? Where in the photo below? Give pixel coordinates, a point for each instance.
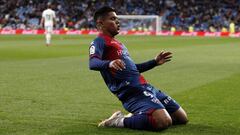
(51, 91)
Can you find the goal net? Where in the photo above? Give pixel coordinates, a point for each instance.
(147, 23)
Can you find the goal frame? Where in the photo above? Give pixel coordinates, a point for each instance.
(157, 18)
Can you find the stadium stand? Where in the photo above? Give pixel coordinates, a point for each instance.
(197, 15)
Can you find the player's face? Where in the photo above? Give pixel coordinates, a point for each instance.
(110, 24)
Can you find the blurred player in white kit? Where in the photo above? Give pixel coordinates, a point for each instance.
(48, 22)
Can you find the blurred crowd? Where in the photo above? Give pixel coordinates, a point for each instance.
(198, 15)
(203, 15)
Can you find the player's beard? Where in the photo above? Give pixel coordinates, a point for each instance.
(114, 31)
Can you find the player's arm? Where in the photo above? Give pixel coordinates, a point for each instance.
(54, 22)
(142, 67)
(95, 56)
(42, 22)
(160, 59)
(54, 19)
(98, 64)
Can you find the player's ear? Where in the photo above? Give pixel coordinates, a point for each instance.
(99, 23)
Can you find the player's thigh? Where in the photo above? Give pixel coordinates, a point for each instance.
(177, 113)
(169, 103)
(48, 29)
(145, 102)
(148, 104)
(161, 118)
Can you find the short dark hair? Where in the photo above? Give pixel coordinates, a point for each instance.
(102, 12)
(49, 5)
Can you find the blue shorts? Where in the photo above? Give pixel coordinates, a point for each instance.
(148, 99)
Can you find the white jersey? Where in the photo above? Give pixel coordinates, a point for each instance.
(48, 16)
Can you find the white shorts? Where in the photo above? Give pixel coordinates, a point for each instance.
(48, 29)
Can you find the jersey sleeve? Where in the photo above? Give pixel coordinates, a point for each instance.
(54, 15)
(43, 14)
(96, 50)
(145, 66)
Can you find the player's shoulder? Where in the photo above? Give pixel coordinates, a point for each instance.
(98, 41)
(44, 11)
(48, 11)
(52, 10)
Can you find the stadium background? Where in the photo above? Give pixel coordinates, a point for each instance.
(50, 90)
(202, 15)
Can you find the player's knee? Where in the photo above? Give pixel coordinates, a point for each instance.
(180, 117)
(163, 123)
(161, 119)
(183, 120)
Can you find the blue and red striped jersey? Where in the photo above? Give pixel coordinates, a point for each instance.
(103, 50)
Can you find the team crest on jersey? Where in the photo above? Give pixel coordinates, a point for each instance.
(92, 50)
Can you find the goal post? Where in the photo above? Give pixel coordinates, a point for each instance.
(151, 23)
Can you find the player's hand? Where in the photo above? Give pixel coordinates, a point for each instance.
(163, 57)
(117, 64)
